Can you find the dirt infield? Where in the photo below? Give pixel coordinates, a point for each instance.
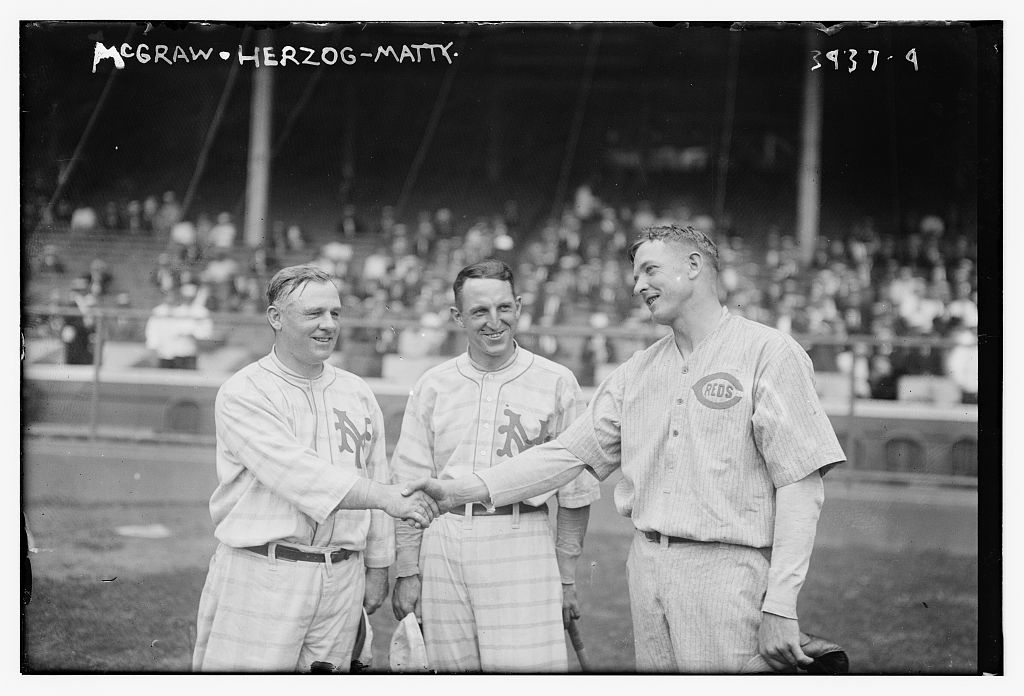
(105, 601)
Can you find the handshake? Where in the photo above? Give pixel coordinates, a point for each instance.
(419, 502)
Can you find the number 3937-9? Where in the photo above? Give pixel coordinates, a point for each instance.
(851, 59)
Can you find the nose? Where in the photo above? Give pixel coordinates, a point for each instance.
(492, 317)
(639, 285)
(327, 321)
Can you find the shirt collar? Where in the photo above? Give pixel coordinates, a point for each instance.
(291, 373)
(505, 365)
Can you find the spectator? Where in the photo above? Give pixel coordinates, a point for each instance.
(294, 240)
(165, 276)
(99, 278)
(83, 220)
(134, 217)
(349, 226)
(169, 214)
(962, 363)
(184, 241)
(175, 326)
(222, 235)
(220, 276)
(51, 263)
(150, 214)
(78, 333)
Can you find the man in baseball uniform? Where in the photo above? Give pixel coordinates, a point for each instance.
(300, 506)
(722, 444)
(491, 587)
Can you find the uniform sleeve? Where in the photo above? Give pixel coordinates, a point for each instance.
(412, 459)
(584, 489)
(596, 437)
(380, 539)
(791, 429)
(252, 427)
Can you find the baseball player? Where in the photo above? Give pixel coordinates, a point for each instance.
(300, 506)
(722, 444)
(491, 587)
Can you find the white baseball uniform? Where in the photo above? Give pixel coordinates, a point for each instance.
(491, 596)
(703, 443)
(289, 449)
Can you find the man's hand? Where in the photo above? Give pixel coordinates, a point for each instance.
(411, 505)
(778, 641)
(442, 492)
(570, 605)
(376, 590)
(406, 597)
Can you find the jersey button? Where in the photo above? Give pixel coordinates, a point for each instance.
(686, 370)
(675, 433)
(679, 401)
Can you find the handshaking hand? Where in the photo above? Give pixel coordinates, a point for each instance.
(413, 506)
(441, 493)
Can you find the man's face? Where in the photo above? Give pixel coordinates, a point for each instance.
(307, 326)
(489, 314)
(663, 279)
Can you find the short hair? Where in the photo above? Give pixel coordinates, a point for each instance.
(488, 268)
(288, 280)
(683, 235)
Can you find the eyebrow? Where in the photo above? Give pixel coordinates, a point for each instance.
(643, 267)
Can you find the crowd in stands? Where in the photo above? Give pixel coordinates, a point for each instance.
(573, 271)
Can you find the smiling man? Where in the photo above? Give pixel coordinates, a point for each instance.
(491, 588)
(299, 511)
(722, 444)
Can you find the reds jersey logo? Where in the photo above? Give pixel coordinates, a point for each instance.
(347, 429)
(718, 391)
(514, 432)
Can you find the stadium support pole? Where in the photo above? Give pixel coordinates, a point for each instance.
(97, 363)
(258, 177)
(809, 181)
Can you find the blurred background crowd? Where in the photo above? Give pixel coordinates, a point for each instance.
(920, 281)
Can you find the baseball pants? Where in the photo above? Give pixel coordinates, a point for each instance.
(491, 596)
(696, 606)
(263, 614)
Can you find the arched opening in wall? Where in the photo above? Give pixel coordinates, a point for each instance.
(182, 417)
(964, 456)
(904, 454)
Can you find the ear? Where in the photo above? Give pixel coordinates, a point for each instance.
(456, 315)
(694, 264)
(274, 317)
(519, 305)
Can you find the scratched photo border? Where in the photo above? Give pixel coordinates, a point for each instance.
(89, 54)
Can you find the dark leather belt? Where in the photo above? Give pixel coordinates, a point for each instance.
(656, 537)
(290, 554)
(479, 510)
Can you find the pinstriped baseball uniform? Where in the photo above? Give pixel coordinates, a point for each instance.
(702, 444)
(289, 449)
(491, 597)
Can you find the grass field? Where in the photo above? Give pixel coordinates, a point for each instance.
(110, 603)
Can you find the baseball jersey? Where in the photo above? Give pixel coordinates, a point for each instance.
(702, 442)
(289, 448)
(461, 420)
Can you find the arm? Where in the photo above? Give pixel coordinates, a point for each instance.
(250, 425)
(380, 537)
(797, 508)
(571, 527)
(413, 459)
(592, 442)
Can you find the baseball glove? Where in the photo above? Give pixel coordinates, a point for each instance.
(829, 658)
